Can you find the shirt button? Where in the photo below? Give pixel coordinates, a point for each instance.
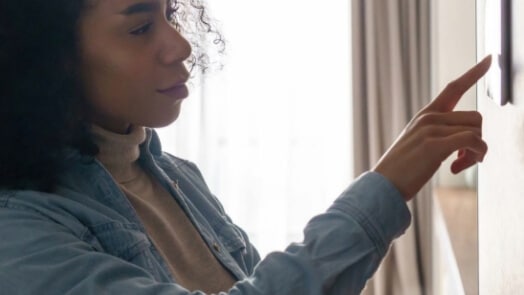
(216, 247)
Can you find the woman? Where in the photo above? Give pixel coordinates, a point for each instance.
(89, 203)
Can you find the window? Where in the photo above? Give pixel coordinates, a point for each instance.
(271, 132)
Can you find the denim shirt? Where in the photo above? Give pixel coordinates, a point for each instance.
(86, 238)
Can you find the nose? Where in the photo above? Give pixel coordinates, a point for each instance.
(174, 47)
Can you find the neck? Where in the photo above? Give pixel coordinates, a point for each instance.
(119, 152)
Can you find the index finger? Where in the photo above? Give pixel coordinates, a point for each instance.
(449, 97)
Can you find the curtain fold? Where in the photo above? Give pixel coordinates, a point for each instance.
(391, 82)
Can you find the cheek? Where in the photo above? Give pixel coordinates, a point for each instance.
(120, 86)
(117, 82)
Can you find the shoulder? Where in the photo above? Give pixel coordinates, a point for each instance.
(22, 206)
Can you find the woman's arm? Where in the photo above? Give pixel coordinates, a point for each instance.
(39, 255)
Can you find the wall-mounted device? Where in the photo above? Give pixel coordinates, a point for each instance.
(498, 42)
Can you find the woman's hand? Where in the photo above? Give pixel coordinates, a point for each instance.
(434, 134)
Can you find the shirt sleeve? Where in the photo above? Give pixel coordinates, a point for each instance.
(342, 248)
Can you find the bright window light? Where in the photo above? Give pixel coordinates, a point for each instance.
(272, 131)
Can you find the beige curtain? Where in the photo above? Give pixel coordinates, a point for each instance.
(390, 84)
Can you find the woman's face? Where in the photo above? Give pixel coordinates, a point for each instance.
(132, 64)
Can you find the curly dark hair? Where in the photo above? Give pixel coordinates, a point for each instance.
(41, 96)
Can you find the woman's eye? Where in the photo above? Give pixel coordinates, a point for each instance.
(141, 30)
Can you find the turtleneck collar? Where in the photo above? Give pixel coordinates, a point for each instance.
(119, 152)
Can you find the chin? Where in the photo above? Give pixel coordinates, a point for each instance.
(165, 119)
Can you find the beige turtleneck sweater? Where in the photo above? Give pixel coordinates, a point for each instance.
(190, 260)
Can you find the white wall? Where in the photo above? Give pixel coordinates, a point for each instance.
(501, 184)
(501, 180)
(501, 203)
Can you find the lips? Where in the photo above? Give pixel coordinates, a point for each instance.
(178, 90)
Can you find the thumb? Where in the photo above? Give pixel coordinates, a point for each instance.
(450, 96)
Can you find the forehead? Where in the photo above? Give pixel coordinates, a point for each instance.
(116, 7)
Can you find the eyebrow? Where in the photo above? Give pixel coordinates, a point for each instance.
(142, 7)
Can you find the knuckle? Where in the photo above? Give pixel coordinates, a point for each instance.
(472, 136)
(477, 117)
(429, 131)
(453, 86)
(485, 147)
(426, 119)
